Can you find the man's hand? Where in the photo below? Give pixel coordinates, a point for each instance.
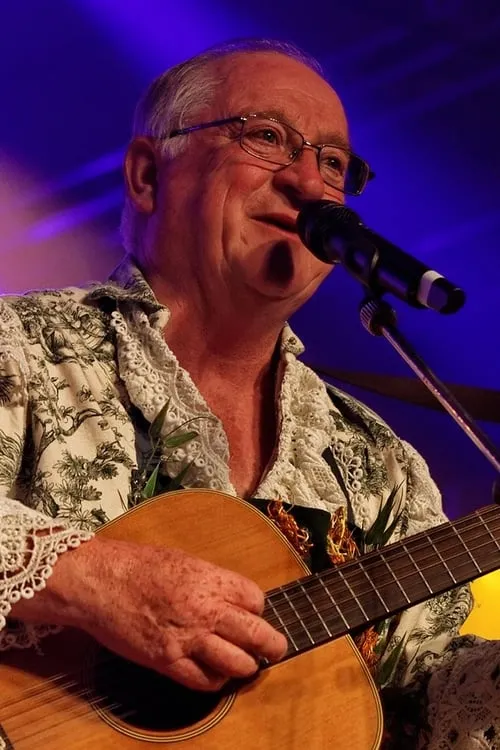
(188, 619)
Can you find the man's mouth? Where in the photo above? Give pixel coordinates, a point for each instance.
(284, 222)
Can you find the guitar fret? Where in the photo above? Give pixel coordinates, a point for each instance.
(298, 617)
(466, 548)
(288, 634)
(438, 553)
(489, 531)
(383, 582)
(334, 603)
(318, 613)
(417, 569)
(382, 556)
(344, 579)
(373, 586)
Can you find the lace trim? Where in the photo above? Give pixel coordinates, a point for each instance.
(464, 709)
(298, 475)
(153, 376)
(26, 561)
(23, 635)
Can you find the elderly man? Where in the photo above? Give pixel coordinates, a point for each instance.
(227, 147)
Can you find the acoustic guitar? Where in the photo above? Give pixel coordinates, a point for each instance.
(77, 695)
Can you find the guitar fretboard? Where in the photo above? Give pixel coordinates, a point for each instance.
(361, 592)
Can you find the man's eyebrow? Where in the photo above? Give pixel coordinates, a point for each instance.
(336, 138)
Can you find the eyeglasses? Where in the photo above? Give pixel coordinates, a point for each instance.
(278, 143)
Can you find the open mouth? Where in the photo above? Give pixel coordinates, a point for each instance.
(286, 224)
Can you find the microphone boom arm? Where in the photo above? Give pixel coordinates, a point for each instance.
(335, 234)
(379, 319)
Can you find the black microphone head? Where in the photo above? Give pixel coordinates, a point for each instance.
(316, 221)
(335, 234)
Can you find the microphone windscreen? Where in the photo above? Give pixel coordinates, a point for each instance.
(318, 220)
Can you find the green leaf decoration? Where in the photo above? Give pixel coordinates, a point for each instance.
(379, 532)
(176, 440)
(160, 445)
(386, 670)
(7, 387)
(156, 425)
(150, 486)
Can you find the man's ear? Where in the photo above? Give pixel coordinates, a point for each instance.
(140, 173)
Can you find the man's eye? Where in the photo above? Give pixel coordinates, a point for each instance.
(269, 136)
(334, 163)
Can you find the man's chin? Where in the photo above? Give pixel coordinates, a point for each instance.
(288, 274)
(281, 266)
(296, 290)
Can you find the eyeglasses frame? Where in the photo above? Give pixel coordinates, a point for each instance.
(295, 154)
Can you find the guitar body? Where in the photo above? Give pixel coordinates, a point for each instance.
(66, 698)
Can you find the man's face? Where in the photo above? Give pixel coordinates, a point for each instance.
(226, 218)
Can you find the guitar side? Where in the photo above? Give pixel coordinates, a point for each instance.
(324, 698)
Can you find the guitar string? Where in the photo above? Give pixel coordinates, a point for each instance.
(313, 583)
(61, 676)
(388, 561)
(295, 592)
(63, 697)
(341, 602)
(89, 702)
(397, 554)
(84, 691)
(81, 693)
(51, 684)
(304, 620)
(298, 596)
(77, 711)
(307, 618)
(107, 661)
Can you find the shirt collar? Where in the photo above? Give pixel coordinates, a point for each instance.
(126, 284)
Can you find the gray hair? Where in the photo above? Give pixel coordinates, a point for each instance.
(177, 95)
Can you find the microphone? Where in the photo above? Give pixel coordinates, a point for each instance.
(335, 234)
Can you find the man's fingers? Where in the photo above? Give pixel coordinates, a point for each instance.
(247, 595)
(251, 633)
(196, 676)
(223, 657)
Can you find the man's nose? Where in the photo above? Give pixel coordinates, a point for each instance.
(302, 178)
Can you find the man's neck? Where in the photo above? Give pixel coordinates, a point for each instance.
(231, 351)
(231, 342)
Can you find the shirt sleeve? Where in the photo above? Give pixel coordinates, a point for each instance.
(30, 541)
(441, 691)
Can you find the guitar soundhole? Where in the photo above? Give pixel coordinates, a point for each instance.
(144, 699)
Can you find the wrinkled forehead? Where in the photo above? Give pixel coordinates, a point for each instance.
(273, 82)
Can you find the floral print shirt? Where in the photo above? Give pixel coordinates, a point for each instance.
(84, 373)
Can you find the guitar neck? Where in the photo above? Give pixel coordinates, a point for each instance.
(382, 583)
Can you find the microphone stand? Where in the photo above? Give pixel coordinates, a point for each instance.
(379, 319)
